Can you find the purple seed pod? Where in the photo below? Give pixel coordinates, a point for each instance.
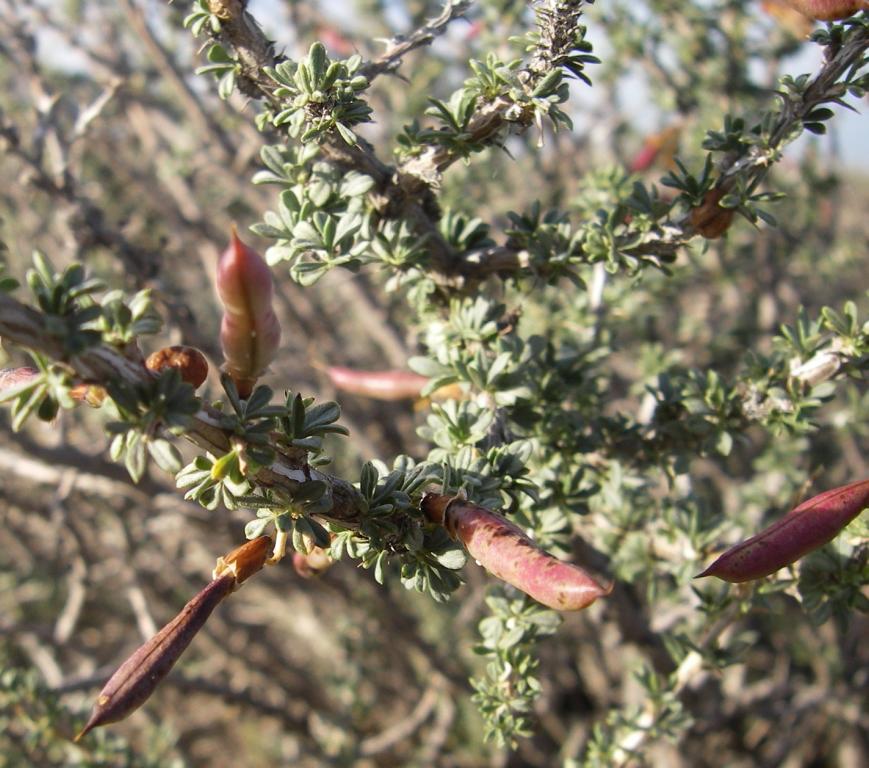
(802, 530)
(249, 332)
(506, 552)
(137, 678)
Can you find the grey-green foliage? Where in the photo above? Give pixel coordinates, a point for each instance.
(318, 96)
(565, 411)
(395, 533)
(37, 727)
(506, 694)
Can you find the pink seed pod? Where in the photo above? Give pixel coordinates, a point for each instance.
(378, 385)
(507, 553)
(137, 678)
(828, 10)
(802, 530)
(249, 332)
(14, 377)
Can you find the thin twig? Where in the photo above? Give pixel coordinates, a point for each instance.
(401, 45)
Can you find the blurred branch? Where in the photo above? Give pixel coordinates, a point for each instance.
(404, 728)
(401, 45)
(205, 124)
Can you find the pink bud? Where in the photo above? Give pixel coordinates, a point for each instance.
(805, 528)
(315, 563)
(249, 333)
(507, 553)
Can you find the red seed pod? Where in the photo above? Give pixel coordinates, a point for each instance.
(189, 362)
(249, 332)
(507, 553)
(802, 530)
(315, 563)
(709, 219)
(658, 149)
(137, 678)
(828, 10)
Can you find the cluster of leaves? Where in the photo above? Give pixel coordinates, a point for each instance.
(394, 531)
(507, 692)
(77, 320)
(318, 96)
(321, 221)
(257, 431)
(143, 414)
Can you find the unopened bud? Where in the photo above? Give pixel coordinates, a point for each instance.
(249, 332)
(315, 563)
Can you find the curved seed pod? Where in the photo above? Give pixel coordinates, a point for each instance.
(805, 528)
(315, 563)
(507, 553)
(379, 385)
(249, 332)
(709, 219)
(189, 361)
(828, 10)
(136, 679)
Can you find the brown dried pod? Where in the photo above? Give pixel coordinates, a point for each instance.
(244, 561)
(137, 678)
(506, 552)
(188, 361)
(709, 219)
